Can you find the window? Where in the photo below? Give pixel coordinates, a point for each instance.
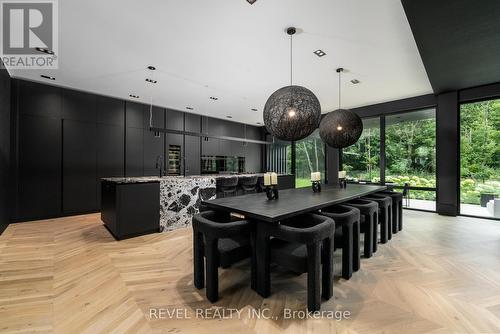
(279, 157)
(310, 157)
(410, 153)
(480, 158)
(361, 161)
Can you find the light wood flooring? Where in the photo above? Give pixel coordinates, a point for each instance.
(68, 275)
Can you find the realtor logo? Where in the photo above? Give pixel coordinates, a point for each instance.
(29, 38)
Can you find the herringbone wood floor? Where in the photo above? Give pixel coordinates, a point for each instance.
(440, 275)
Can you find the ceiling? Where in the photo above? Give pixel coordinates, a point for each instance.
(236, 52)
(459, 41)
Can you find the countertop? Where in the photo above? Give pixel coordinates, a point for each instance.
(146, 179)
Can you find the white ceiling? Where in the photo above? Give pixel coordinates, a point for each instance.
(236, 51)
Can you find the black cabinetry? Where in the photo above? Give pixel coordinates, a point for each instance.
(192, 160)
(79, 166)
(39, 169)
(130, 209)
(65, 141)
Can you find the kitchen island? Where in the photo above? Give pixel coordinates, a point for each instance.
(134, 206)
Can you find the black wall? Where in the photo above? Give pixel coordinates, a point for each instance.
(67, 140)
(4, 148)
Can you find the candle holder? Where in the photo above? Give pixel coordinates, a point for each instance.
(272, 192)
(316, 186)
(342, 183)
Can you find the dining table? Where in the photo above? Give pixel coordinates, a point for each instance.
(260, 210)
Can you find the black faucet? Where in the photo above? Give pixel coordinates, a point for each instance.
(159, 164)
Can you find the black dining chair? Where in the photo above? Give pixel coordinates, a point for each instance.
(220, 242)
(385, 215)
(248, 184)
(347, 231)
(226, 185)
(302, 244)
(397, 209)
(369, 223)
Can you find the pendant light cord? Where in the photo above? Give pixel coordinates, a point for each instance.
(291, 60)
(340, 89)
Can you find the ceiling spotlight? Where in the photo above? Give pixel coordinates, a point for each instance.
(214, 98)
(47, 77)
(319, 53)
(151, 81)
(229, 116)
(45, 50)
(255, 109)
(251, 1)
(189, 108)
(152, 68)
(134, 96)
(355, 81)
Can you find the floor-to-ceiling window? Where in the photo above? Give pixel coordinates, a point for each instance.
(279, 157)
(410, 156)
(480, 158)
(310, 157)
(361, 161)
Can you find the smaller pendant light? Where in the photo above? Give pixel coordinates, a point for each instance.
(340, 128)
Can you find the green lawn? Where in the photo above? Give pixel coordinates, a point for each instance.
(301, 183)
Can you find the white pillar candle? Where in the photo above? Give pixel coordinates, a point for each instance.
(267, 179)
(274, 179)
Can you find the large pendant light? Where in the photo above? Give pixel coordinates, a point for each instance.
(340, 128)
(293, 112)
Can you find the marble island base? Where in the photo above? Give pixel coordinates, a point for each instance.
(128, 211)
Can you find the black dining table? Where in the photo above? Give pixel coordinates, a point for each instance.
(291, 203)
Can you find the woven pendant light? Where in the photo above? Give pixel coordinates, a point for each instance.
(340, 128)
(293, 112)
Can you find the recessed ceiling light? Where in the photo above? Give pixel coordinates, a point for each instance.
(45, 50)
(255, 109)
(229, 116)
(214, 98)
(134, 96)
(47, 77)
(151, 81)
(152, 68)
(355, 81)
(319, 53)
(189, 108)
(251, 1)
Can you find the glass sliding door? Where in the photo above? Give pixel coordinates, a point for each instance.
(362, 160)
(410, 156)
(310, 157)
(480, 159)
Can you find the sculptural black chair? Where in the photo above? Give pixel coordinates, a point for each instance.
(347, 230)
(302, 244)
(385, 215)
(227, 185)
(397, 209)
(221, 242)
(248, 184)
(369, 223)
